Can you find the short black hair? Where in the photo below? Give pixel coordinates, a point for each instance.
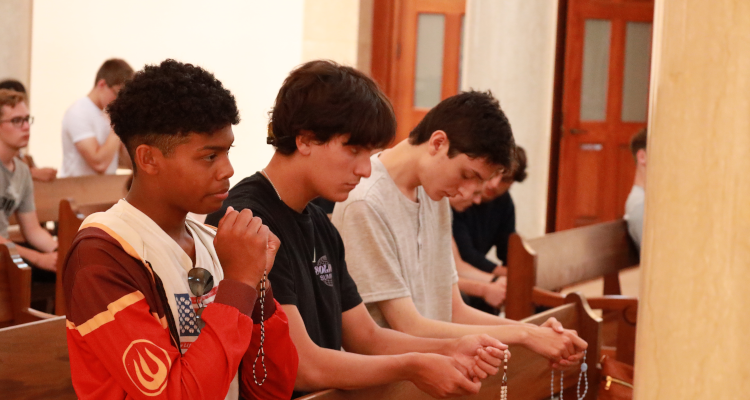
(13, 84)
(474, 124)
(329, 99)
(163, 104)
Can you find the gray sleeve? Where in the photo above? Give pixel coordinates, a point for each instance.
(26, 190)
(371, 252)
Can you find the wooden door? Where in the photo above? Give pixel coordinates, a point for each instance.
(417, 55)
(605, 101)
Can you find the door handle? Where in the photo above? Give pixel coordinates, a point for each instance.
(574, 131)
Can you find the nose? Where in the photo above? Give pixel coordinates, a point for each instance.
(363, 167)
(225, 170)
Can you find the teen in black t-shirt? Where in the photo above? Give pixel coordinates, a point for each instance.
(310, 272)
(325, 124)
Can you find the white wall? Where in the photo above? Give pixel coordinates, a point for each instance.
(510, 49)
(331, 31)
(15, 39)
(249, 46)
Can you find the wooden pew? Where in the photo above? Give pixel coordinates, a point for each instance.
(15, 289)
(71, 217)
(84, 190)
(538, 268)
(528, 373)
(34, 361)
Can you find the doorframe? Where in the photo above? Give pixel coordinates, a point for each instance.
(557, 113)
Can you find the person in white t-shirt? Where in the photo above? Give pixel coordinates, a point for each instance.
(90, 146)
(635, 201)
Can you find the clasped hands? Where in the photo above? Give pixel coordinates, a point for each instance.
(478, 356)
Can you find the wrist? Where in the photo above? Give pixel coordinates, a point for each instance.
(410, 364)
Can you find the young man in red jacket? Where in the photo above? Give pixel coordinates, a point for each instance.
(161, 306)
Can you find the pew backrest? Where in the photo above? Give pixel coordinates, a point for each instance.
(71, 217)
(84, 190)
(34, 361)
(528, 373)
(565, 258)
(15, 289)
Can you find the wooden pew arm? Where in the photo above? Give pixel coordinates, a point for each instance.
(549, 298)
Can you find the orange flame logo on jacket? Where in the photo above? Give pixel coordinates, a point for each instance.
(149, 373)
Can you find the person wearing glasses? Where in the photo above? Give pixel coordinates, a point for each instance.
(17, 188)
(43, 174)
(326, 121)
(159, 305)
(89, 145)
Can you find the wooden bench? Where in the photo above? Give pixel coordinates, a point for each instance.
(539, 268)
(83, 190)
(15, 290)
(528, 373)
(71, 217)
(34, 361)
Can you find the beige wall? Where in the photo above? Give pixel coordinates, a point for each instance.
(510, 49)
(15, 39)
(331, 30)
(250, 46)
(692, 339)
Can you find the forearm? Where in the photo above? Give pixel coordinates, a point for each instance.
(98, 157)
(325, 368)
(466, 270)
(39, 238)
(30, 255)
(472, 287)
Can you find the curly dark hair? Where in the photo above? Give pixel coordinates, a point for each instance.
(162, 105)
(330, 99)
(518, 173)
(474, 124)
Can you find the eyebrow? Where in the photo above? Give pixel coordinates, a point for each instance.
(480, 175)
(216, 148)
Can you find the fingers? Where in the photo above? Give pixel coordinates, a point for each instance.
(579, 343)
(555, 325)
(469, 387)
(491, 356)
(486, 365)
(227, 221)
(489, 341)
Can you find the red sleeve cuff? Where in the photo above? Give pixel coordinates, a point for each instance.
(236, 294)
(269, 306)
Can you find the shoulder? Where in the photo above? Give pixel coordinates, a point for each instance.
(22, 168)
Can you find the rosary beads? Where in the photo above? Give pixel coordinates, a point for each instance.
(262, 354)
(582, 377)
(504, 387)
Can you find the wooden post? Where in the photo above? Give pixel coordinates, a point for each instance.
(693, 327)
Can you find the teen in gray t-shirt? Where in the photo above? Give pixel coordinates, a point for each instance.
(17, 193)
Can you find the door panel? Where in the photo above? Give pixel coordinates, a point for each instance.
(605, 95)
(417, 47)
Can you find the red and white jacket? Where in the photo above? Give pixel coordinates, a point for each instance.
(131, 319)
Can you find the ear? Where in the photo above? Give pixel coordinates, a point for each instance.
(148, 159)
(641, 157)
(101, 83)
(305, 140)
(438, 141)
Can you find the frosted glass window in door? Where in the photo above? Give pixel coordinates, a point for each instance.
(595, 74)
(637, 66)
(428, 79)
